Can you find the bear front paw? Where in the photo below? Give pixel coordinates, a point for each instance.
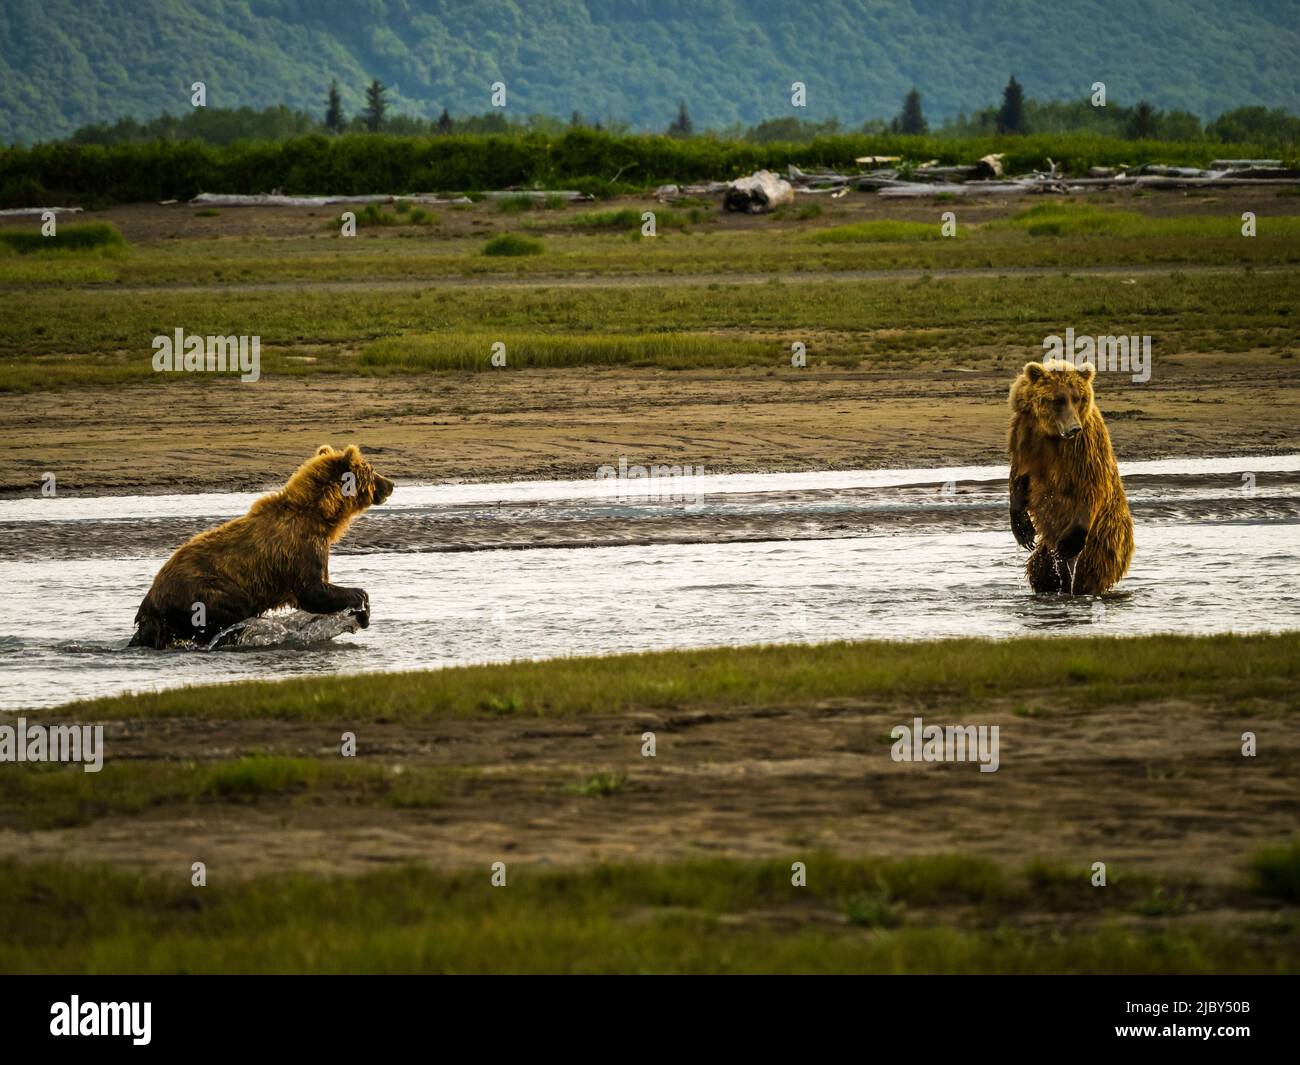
(361, 610)
(1072, 542)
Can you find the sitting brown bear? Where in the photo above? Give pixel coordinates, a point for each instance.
(1065, 484)
(276, 555)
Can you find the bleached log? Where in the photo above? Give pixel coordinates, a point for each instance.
(920, 190)
(761, 191)
(1241, 164)
(537, 194)
(14, 211)
(222, 199)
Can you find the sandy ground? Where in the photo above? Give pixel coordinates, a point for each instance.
(1158, 786)
(567, 423)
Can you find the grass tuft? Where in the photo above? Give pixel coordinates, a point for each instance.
(513, 244)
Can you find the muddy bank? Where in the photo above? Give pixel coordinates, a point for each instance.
(1157, 786)
(567, 423)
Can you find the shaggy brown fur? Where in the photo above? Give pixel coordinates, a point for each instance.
(276, 555)
(1065, 484)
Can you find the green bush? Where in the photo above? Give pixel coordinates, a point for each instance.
(85, 236)
(591, 161)
(513, 244)
(1277, 872)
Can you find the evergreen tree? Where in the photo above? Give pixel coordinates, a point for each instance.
(445, 123)
(334, 115)
(682, 126)
(911, 119)
(1011, 119)
(376, 105)
(1142, 126)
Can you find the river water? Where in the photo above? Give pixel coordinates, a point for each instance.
(488, 572)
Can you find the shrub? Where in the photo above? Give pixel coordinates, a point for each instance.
(83, 237)
(513, 244)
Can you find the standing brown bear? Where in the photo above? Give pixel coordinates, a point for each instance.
(275, 555)
(1065, 483)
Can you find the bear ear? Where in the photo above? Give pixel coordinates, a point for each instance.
(324, 449)
(1088, 370)
(1034, 371)
(352, 453)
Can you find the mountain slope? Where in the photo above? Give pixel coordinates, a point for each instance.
(66, 63)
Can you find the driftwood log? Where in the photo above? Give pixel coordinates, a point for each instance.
(762, 191)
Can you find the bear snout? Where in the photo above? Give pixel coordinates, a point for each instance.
(1071, 431)
(383, 488)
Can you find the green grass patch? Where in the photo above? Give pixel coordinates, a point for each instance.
(630, 219)
(872, 909)
(690, 917)
(1276, 872)
(1125, 670)
(1085, 220)
(885, 231)
(469, 351)
(600, 785)
(75, 237)
(513, 244)
(97, 337)
(50, 796)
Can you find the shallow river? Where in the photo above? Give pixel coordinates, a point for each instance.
(1215, 552)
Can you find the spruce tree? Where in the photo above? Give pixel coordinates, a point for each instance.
(912, 119)
(334, 114)
(1011, 118)
(682, 126)
(376, 105)
(1142, 126)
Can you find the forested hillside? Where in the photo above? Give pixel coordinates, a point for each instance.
(68, 63)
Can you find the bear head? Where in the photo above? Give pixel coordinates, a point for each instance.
(1056, 396)
(338, 485)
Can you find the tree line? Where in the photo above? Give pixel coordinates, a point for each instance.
(1015, 115)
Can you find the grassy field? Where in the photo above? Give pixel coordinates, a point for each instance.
(932, 914)
(1077, 671)
(196, 248)
(91, 337)
(875, 911)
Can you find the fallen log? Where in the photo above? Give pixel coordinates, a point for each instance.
(761, 191)
(917, 190)
(671, 193)
(1240, 164)
(539, 194)
(15, 211)
(1217, 182)
(272, 199)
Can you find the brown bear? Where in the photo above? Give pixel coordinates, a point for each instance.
(1065, 484)
(275, 555)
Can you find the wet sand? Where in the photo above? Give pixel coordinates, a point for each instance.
(566, 423)
(800, 515)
